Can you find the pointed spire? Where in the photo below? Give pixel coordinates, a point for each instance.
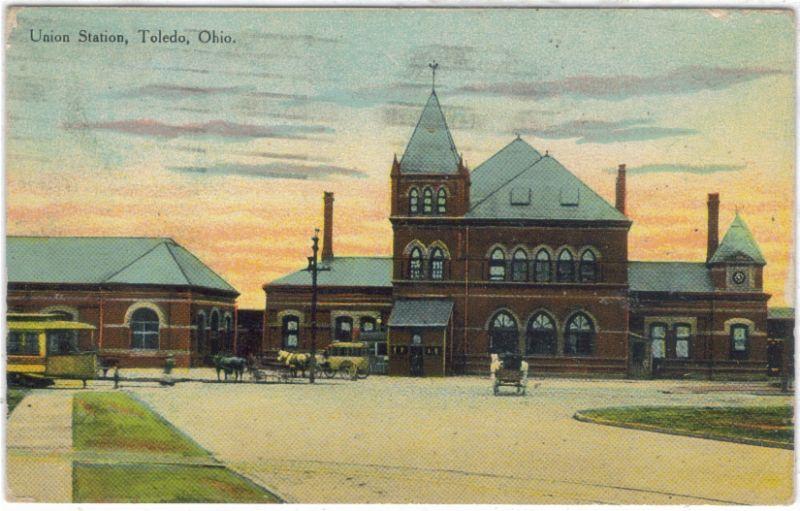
(738, 241)
(431, 149)
(433, 65)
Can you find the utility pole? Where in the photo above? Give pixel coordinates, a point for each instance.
(314, 268)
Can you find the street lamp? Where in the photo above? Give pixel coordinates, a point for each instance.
(314, 268)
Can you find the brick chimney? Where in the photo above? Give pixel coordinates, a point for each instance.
(713, 224)
(621, 188)
(327, 234)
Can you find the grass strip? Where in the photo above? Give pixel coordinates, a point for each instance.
(154, 483)
(13, 397)
(117, 421)
(772, 424)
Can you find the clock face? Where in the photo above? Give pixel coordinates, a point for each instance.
(739, 277)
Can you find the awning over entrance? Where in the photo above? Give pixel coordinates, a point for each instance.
(421, 313)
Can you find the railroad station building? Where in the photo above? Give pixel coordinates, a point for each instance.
(519, 255)
(149, 298)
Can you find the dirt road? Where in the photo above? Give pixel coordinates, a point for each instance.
(398, 440)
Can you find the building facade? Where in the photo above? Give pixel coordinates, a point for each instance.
(149, 298)
(519, 255)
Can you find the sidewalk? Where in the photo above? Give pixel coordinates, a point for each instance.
(39, 448)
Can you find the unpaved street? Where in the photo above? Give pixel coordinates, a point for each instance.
(451, 441)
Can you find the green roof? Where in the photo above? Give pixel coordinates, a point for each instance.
(669, 277)
(738, 242)
(431, 149)
(421, 313)
(107, 260)
(780, 313)
(519, 183)
(344, 271)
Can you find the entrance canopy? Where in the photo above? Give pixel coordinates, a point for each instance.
(421, 313)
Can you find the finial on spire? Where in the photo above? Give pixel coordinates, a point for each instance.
(518, 135)
(433, 65)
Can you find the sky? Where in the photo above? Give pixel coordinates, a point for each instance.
(228, 147)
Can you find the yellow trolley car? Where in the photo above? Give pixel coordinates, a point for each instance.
(41, 347)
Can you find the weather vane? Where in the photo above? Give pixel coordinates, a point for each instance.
(433, 66)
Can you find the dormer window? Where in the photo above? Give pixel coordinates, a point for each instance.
(441, 201)
(427, 201)
(413, 201)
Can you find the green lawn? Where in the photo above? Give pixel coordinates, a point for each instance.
(771, 423)
(13, 397)
(151, 483)
(116, 421)
(106, 423)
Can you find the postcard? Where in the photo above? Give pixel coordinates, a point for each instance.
(399, 255)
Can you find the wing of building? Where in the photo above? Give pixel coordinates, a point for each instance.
(149, 298)
(520, 256)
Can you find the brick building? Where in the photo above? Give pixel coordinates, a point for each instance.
(518, 255)
(149, 298)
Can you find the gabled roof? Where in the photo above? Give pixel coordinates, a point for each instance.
(669, 277)
(421, 313)
(519, 183)
(344, 271)
(738, 241)
(107, 260)
(431, 149)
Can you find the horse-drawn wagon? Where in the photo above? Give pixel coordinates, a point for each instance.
(510, 371)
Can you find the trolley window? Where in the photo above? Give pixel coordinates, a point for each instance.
(23, 343)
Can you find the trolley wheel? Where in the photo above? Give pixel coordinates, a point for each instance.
(346, 370)
(362, 373)
(328, 371)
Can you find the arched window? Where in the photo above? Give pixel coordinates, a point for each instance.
(541, 338)
(441, 201)
(344, 328)
(579, 339)
(658, 340)
(588, 266)
(519, 266)
(497, 265)
(542, 266)
(144, 329)
(427, 201)
(366, 324)
(213, 332)
(503, 334)
(290, 332)
(565, 271)
(740, 341)
(213, 323)
(437, 264)
(413, 201)
(415, 264)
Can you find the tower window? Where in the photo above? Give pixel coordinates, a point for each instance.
(415, 264)
(441, 201)
(497, 265)
(427, 201)
(437, 264)
(413, 201)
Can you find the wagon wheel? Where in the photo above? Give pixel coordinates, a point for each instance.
(362, 373)
(496, 389)
(520, 390)
(328, 371)
(346, 370)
